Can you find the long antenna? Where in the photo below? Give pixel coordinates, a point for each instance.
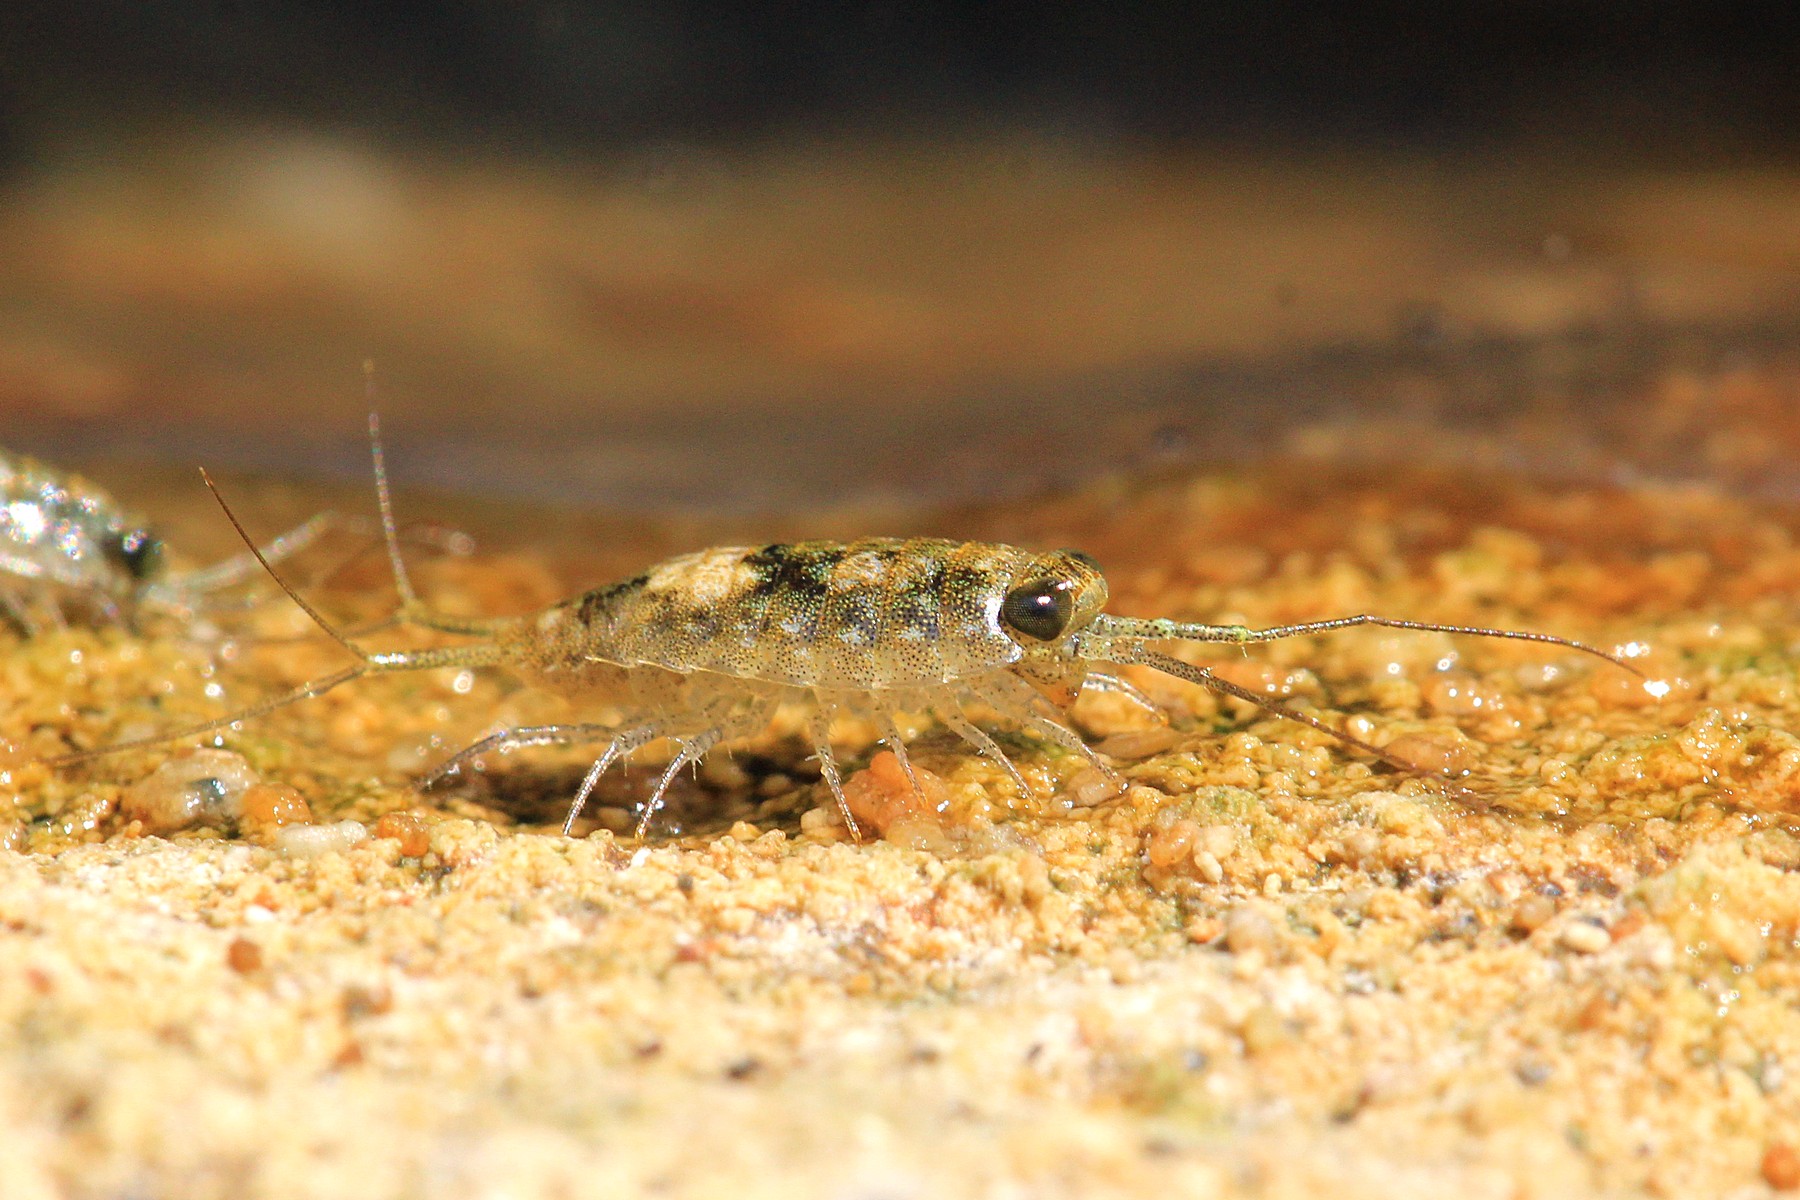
(409, 599)
(305, 607)
(306, 691)
(1161, 629)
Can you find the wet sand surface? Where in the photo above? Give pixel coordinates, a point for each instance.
(1270, 967)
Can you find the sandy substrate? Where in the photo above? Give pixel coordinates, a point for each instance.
(1269, 968)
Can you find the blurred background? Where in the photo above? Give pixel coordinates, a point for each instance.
(683, 256)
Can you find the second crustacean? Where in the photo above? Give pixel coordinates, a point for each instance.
(66, 544)
(68, 548)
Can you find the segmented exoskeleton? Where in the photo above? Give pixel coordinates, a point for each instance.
(704, 647)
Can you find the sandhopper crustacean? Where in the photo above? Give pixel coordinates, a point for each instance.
(703, 648)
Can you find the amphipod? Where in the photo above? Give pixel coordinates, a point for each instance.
(702, 648)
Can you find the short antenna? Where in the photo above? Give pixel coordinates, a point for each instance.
(1170, 665)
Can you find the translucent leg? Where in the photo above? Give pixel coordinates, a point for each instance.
(1206, 679)
(244, 566)
(514, 739)
(622, 744)
(890, 733)
(1102, 681)
(692, 751)
(986, 746)
(728, 724)
(1018, 708)
(19, 612)
(819, 728)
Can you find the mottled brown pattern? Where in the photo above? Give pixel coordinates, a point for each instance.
(594, 606)
(873, 613)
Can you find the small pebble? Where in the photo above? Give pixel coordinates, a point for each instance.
(1781, 1166)
(1201, 930)
(1137, 743)
(412, 831)
(1167, 842)
(1209, 866)
(204, 787)
(613, 818)
(1458, 694)
(1247, 928)
(1584, 937)
(882, 794)
(725, 774)
(919, 833)
(243, 956)
(775, 807)
(13, 836)
(267, 807)
(1446, 753)
(821, 820)
(1616, 689)
(1532, 913)
(1089, 787)
(315, 841)
(1540, 676)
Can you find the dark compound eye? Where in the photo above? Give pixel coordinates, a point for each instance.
(139, 553)
(1039, 609)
